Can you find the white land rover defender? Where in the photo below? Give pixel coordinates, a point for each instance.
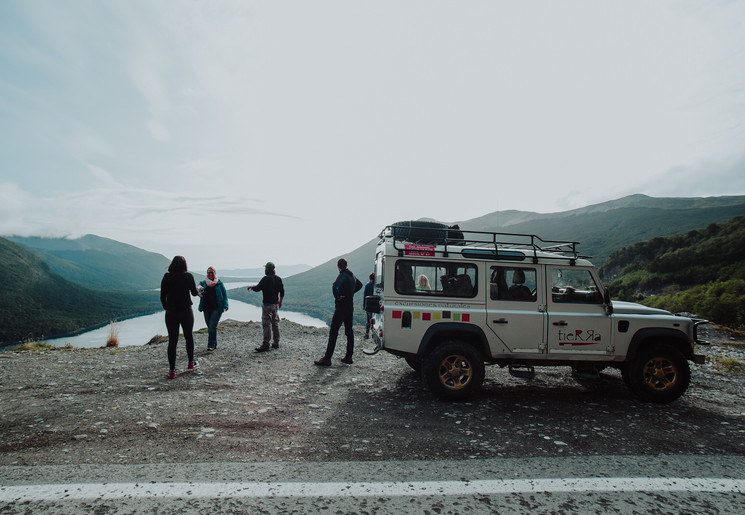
(451, 301)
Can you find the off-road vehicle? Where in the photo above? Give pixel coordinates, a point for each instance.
(451, 301)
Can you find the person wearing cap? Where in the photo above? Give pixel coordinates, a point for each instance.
(274, 292)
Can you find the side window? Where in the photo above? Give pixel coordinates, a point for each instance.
(379, 272)
(433, 278)
(509, 283)
(575, 286)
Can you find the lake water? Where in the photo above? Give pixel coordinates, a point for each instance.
(139, 330)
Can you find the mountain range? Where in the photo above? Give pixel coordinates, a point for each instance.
(600, 229)
(38, 303)
(100, 264)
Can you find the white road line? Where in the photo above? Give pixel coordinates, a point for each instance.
(53, 492)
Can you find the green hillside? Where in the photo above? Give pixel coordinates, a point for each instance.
(37, 303)
(702, 272)
(604, 228)
(105, 265)
(600, 229)
(99, 263)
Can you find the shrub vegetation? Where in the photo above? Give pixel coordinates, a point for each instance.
(701, 272)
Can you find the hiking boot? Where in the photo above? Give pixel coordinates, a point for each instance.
(172, 374)
(275, 346)
(347, 360)
(193, 365)
(323, 362)
(263, 348)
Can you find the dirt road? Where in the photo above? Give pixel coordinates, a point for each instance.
(115, 406)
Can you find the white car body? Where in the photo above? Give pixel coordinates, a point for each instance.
(519, 303)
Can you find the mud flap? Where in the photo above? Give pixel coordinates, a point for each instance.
(522, 371)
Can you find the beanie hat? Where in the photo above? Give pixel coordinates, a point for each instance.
(270, 265)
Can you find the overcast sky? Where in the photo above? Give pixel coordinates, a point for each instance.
(236, 132)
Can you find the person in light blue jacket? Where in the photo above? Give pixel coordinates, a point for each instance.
(213, 302)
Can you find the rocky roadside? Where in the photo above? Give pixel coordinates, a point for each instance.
(106, 406)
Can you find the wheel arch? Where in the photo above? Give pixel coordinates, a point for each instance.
(438, 333)
(672, 337)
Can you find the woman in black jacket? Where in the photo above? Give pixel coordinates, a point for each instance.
(175, 288)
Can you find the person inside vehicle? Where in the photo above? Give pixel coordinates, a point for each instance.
(404, 278)
(422, 283)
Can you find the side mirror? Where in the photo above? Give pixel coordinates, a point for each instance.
(608, 303)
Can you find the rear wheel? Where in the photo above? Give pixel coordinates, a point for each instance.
(453, 371)
(659, 374)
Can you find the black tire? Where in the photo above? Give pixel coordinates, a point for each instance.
(453, 371)
(625, 375)
(414, 362)
(659, 374)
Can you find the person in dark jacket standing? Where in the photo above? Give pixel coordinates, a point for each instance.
(344, 288)
(175, 288)
(274, 293)
(214, 300)
(369, 290)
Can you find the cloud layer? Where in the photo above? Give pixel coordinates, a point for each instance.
(248, 129)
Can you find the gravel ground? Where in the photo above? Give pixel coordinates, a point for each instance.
(106, 406)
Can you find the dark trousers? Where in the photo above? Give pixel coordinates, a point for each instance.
(342, 314)
(211, 319)
(185, 319)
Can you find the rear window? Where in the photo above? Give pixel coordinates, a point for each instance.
(435, 278)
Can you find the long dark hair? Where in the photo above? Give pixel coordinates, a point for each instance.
(177, 265)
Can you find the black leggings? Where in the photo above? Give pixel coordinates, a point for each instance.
(185, 319)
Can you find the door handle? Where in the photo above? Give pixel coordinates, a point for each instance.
(499, 321)
(561, 323)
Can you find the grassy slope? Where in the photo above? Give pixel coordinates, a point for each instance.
(602, 232)
(701, 272)
(601, 229)
(39, 303)
(99, 263)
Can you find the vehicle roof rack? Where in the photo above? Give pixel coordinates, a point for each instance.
(434, 238)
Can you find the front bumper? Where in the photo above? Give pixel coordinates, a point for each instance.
(697, 322)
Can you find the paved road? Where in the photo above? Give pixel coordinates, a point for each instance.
(628, 484)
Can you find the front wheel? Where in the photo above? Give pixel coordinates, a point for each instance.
(414, 362)
(453, 371)
(659, 374)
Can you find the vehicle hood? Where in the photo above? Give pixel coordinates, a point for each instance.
(632, 308)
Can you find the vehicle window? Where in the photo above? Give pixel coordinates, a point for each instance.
(509, 283)
(432, 278)
(575, 286)
(379, 273)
